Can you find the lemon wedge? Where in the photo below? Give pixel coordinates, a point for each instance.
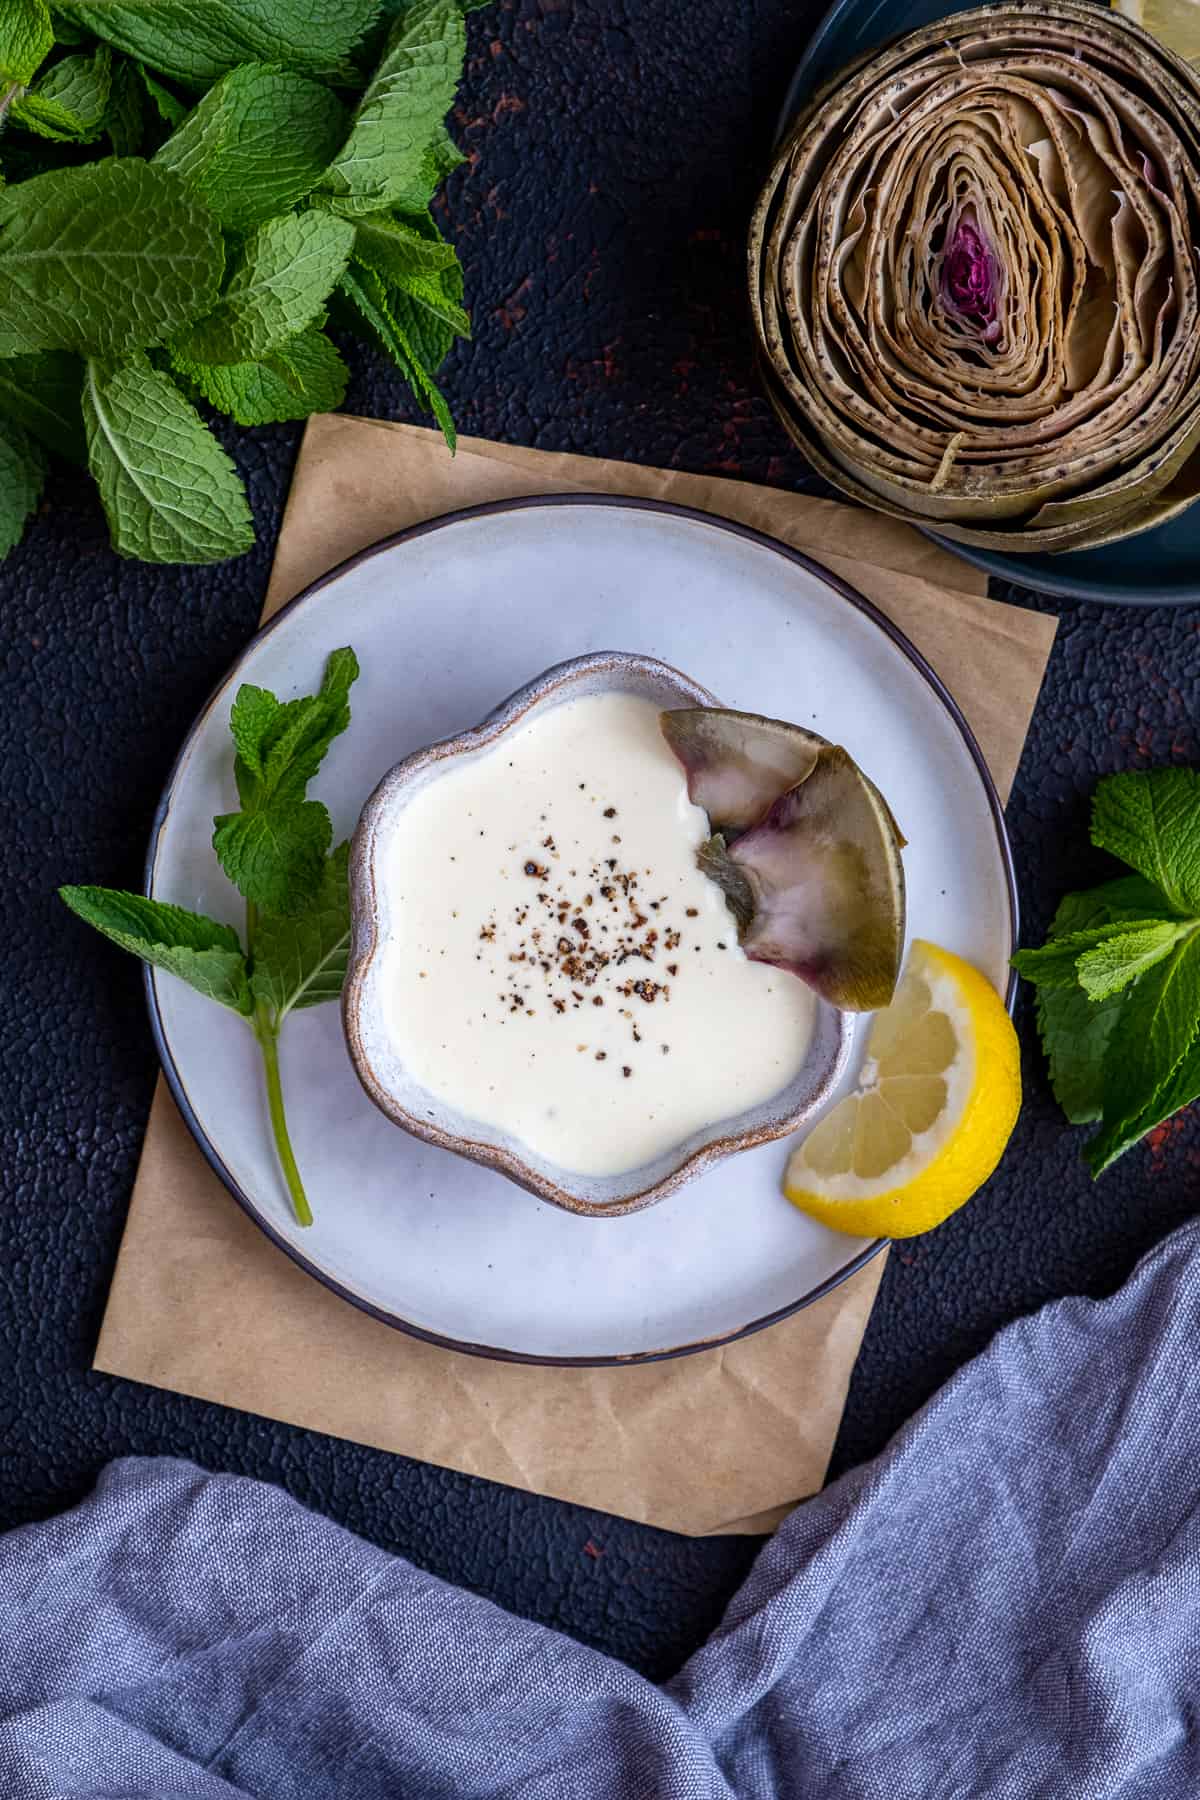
(1175, 23)
(939, 1094)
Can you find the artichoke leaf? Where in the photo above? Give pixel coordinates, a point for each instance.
(714, 859)
(825, 875)
(737, 764)
(804, 848)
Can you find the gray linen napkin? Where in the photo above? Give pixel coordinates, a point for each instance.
(1005, 1603)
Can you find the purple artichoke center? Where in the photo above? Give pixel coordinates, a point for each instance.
(970, 277)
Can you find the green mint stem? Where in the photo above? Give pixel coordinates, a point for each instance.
(268, 1038)
(6, 99)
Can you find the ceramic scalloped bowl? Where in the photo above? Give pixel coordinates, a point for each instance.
(411, 1105)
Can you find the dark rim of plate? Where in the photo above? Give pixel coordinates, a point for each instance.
(1032, 572)
(490, 509)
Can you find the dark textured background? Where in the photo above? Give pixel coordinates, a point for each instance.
(614, 153)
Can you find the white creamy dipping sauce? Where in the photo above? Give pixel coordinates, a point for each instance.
(556, 965)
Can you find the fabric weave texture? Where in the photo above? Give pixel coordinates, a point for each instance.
(1005, 1603)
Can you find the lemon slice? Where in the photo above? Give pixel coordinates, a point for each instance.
(939, 1095)
(1175, 23)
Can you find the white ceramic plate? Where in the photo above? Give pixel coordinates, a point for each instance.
(447, 620)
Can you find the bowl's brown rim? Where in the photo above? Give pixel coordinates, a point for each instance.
(486, 509)
(724, 1140)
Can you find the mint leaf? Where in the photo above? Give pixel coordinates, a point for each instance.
(439, 159)
(197, 41)
(428, 337)
(170, 491)
(76, 275)
(274, 849)
(281, 744)
(41, 393)
(274, 857)
(341, 673)
(1181, 1090)
(22, 472)
(125, 119)
(302, 376)
(1101, 1151)
(279, 285)
(396, 249)
(200, 951)
(443, 155)
(256, 143)
(252, 718)
(70, 101)
(416, 296)
(383, 161)
(1158, 1025)
(26, 37)
(1075, 1030)
(1113, 964)
(1131, 897)
(373, 302)
(1151, 820)
(171, 110)
(301, 961)
(1057, 964)
(431, 329)
(389, 12)
(423, 283)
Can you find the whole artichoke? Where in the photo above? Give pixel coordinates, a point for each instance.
(974, 278)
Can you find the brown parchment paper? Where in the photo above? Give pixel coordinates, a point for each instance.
(202, 1304)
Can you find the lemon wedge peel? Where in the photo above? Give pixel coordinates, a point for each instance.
(938, 1098)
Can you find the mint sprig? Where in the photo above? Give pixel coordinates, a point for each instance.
(296, 893)
(186, 192)
(1118, 978)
